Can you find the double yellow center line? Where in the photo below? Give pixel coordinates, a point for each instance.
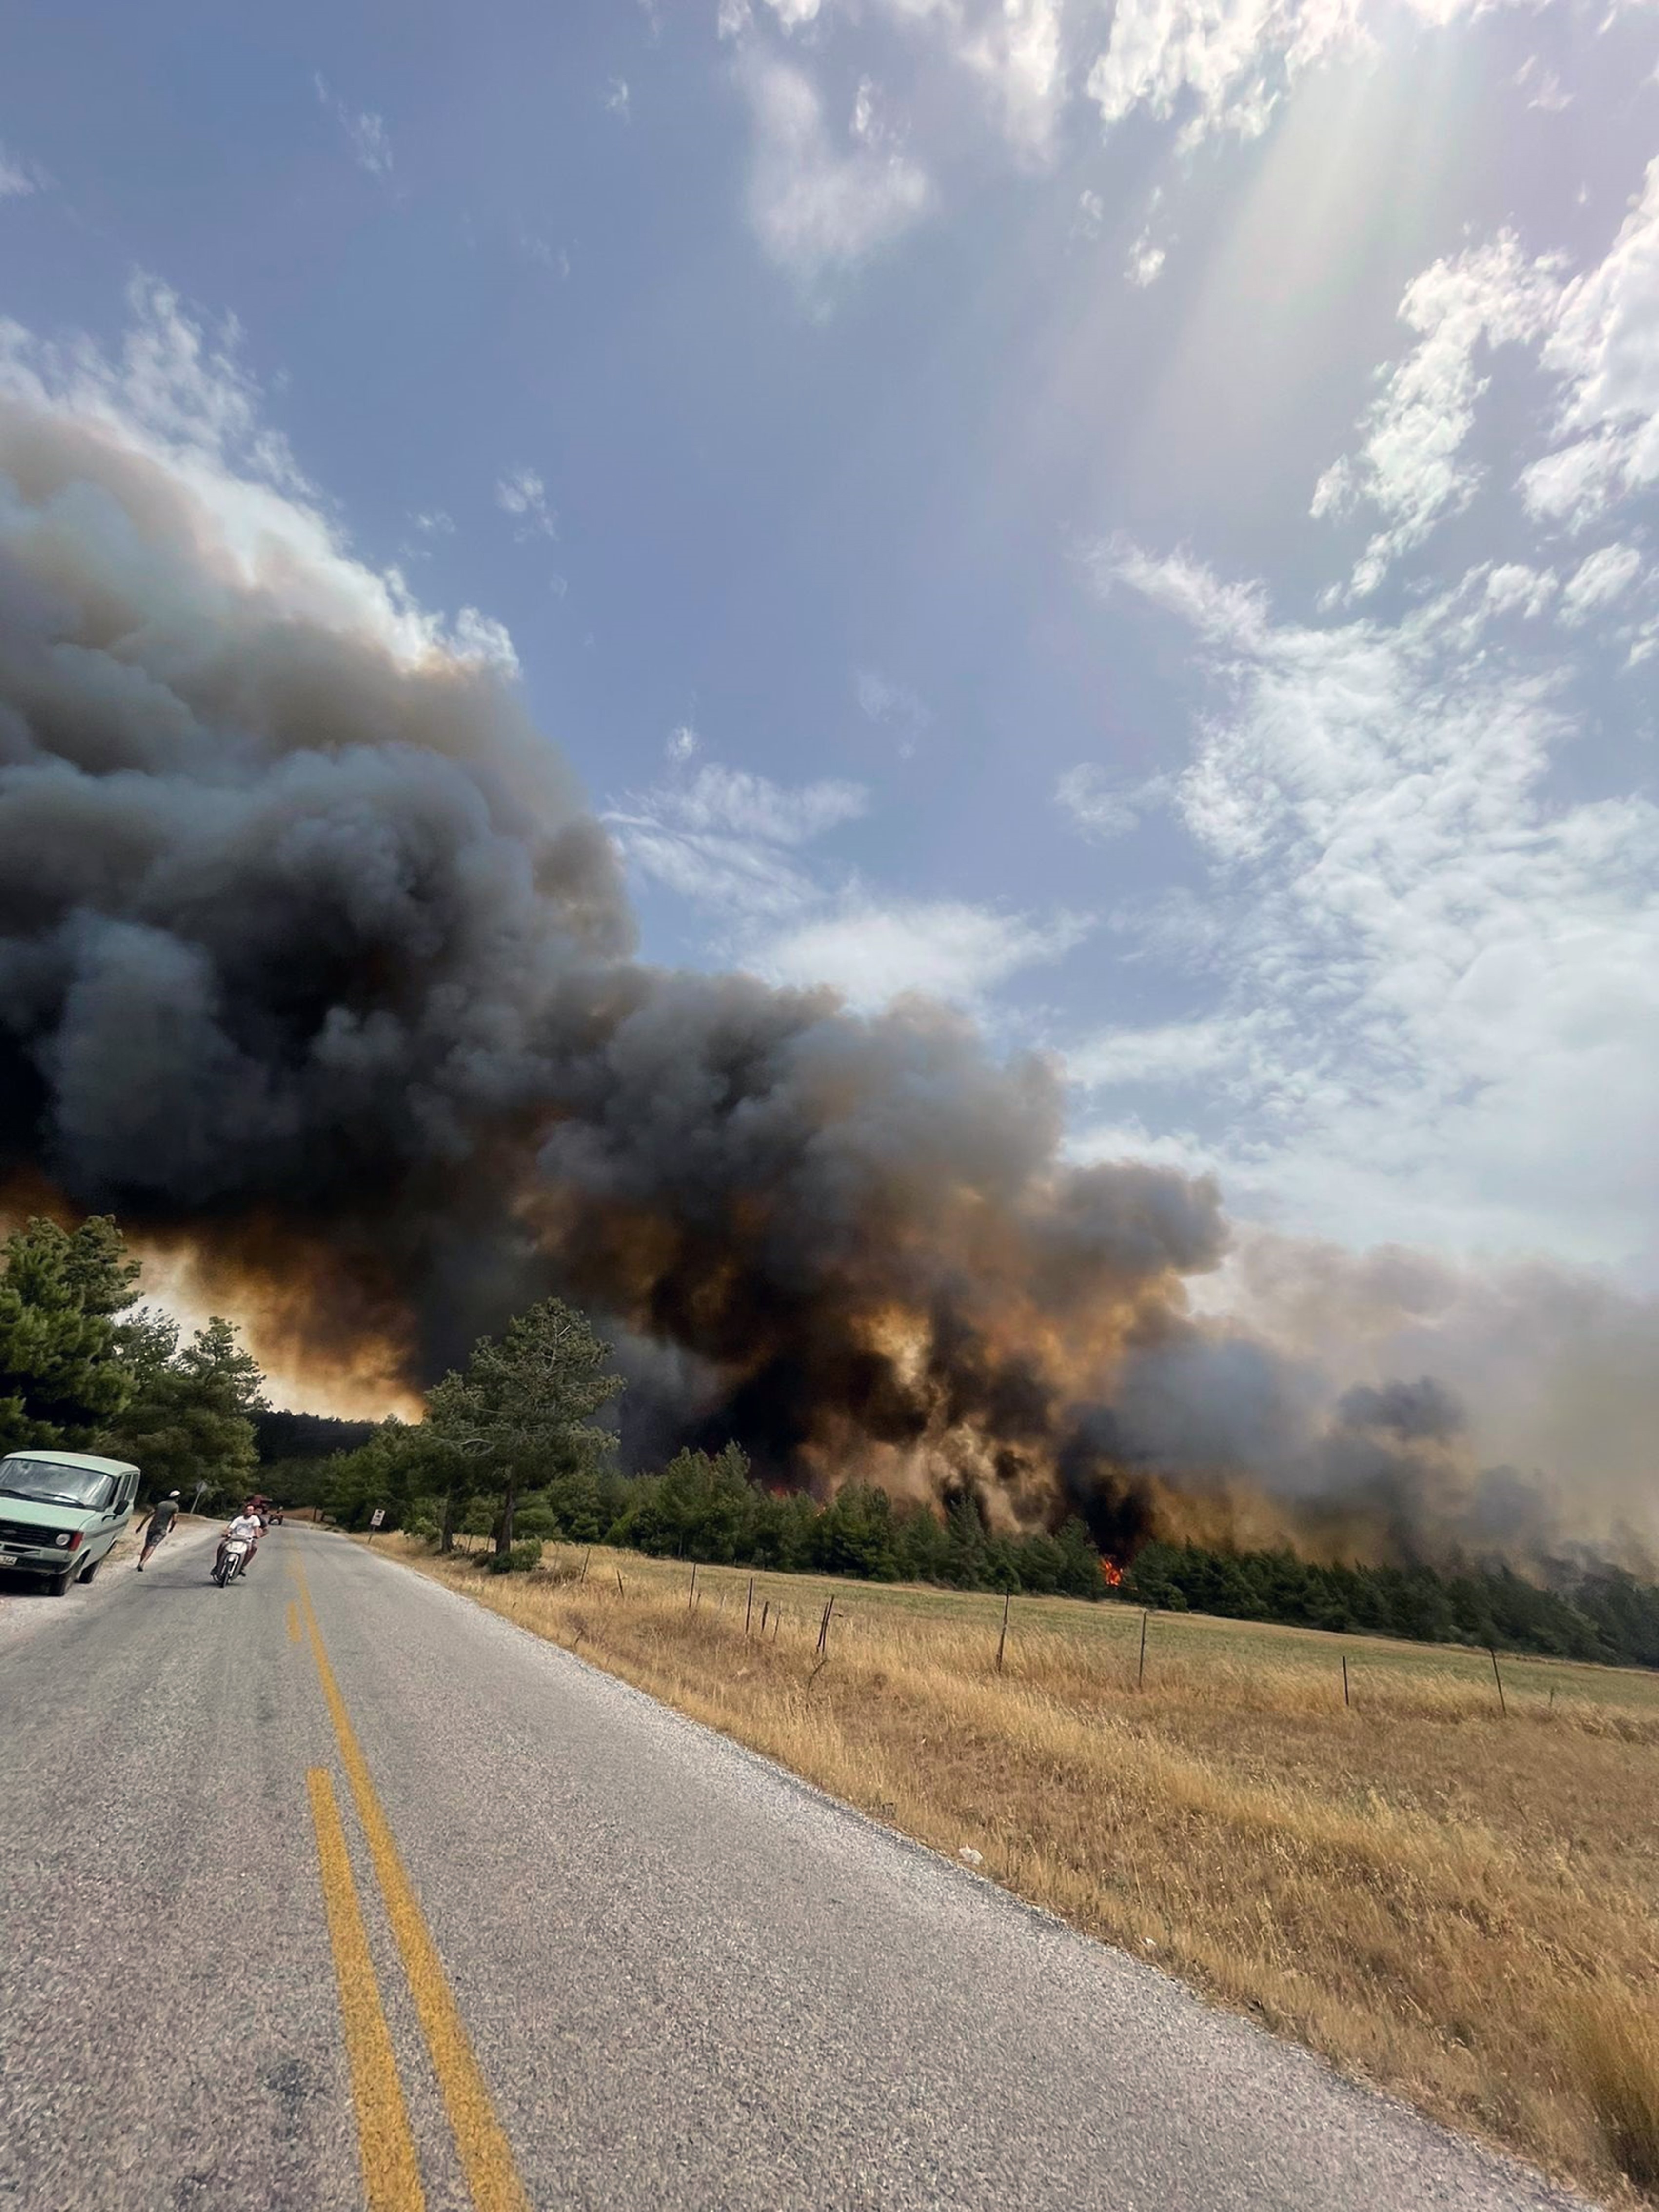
(392, 2174)
(392, 2178)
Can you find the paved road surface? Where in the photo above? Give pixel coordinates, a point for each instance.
(332, 1889)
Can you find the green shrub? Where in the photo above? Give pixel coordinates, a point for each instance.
(518, 1559)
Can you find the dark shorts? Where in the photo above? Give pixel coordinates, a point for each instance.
(153, 1536)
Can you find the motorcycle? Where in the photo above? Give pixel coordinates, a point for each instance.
(232, 1557)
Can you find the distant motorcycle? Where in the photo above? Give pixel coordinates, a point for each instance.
(232, 1557)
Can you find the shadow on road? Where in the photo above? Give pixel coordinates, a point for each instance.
(13, 1584)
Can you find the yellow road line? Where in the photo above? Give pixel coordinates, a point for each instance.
(486, 2154)
(293, 1622)
(391, 2177)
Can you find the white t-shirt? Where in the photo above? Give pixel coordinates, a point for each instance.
(245, 1524)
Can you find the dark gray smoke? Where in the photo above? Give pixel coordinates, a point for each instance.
(312, 957)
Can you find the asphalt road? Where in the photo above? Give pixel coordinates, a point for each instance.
(332, 1889)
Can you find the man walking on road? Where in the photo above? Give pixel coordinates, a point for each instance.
(162, 1515)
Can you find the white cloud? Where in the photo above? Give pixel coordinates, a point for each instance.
(522, 494)
(727, 839)
(1595, 334)
(1443, 965)
(1226, 62)
(1146, 262)
(874, 951)
(19, 177)
(1413, 469)
(432, 522)
(1102, 805)
(550, 257)
(717, 798)
(682, 743)
(1598, 580)
(1168, 1053)
(1017, 53)
(894, 705)
(1512, 587)
(1212, 65)
(815, 206)
(1091, 217)
(1221, 613)
(1452, 971)
(1544, 89)
(617, 98)
(1227, 65)
(366, 131)
(1013, 49)
(742, 883)
(734, 844)
(481, 637)
(1604, 348)
(1575, 484)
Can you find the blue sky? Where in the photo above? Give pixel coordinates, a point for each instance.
(1140, 522)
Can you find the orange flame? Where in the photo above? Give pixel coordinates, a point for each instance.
(1111, 1573)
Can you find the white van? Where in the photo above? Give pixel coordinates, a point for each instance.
(60, 1513)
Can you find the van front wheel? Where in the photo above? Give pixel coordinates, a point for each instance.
(90, 1570)
(57, 1584)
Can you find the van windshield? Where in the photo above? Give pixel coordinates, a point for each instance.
(48, 1484)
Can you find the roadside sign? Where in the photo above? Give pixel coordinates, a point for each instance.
(377, 1517)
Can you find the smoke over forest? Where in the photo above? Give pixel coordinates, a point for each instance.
(316, 968)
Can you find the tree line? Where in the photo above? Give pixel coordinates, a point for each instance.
(702, 1506)
(86, 1366)
(1596, 1613)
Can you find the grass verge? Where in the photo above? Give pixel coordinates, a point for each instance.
(1454, 1902)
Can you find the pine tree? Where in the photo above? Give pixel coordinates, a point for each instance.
(525, 1401)
(189, 1417)
(62, 1373)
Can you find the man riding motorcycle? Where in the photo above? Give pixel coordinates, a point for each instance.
(246, 1527)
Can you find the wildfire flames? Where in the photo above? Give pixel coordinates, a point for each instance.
(1111, 1573)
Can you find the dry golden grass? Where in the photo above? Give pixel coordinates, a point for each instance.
(1454, 1905)
(1617, 2045)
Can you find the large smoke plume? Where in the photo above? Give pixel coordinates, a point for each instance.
(314, 966)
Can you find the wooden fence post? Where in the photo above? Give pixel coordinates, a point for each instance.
(691, 1594)
(750, 1608)
(766, 1608)
(1002, 1639)
(1345, 1678)
(586, 1558)
(621, 1592)
(1140, 1672)
(1502, 1703)
(823, 1626)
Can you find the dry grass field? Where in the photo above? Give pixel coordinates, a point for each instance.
(1457, 1903)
